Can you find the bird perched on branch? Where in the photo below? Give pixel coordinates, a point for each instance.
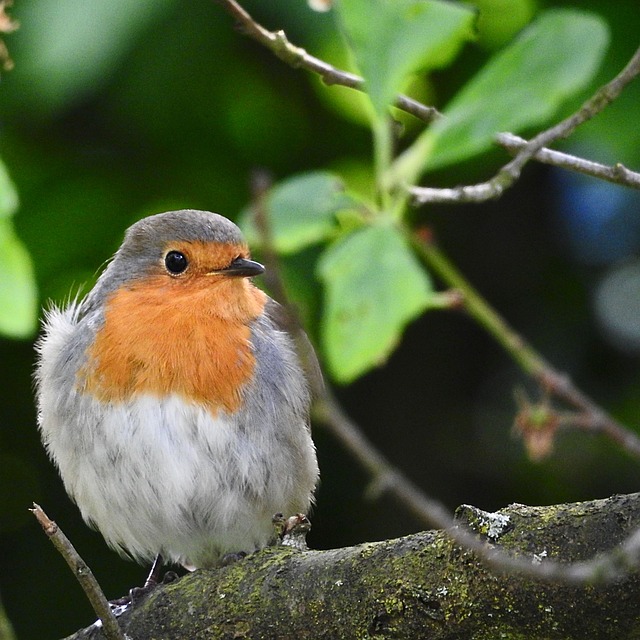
(171, 401)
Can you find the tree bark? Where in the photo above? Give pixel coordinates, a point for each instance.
(420, 586)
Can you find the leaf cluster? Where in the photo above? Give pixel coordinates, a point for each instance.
(374, 285)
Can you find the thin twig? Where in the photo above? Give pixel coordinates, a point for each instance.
(617, 173)
(509, 173)
(297, 57)
(594, 419)
(82, 573)
(261, 182)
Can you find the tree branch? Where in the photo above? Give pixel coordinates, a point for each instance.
(423, 585)
(618, 173)
(509, 173)
(297, 57)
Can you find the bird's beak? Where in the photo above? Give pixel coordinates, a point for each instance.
(240, 267)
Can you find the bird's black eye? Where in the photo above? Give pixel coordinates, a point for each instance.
(176, 262)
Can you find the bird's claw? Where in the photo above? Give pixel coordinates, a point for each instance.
(292, 531)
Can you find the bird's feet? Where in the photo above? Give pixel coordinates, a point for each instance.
(292, 531)
(138, 594)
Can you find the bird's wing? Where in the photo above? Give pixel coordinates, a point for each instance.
(306, 353)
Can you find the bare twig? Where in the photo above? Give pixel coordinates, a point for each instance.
(277, 42)
(593, 419)
(618, 173)
(509, 173)
(82, 573)
(559, 385)
(261, 182)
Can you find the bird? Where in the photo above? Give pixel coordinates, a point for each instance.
(171, 399)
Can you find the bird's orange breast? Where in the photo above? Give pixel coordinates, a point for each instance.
(165, 337)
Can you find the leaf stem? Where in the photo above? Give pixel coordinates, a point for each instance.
(383, 152)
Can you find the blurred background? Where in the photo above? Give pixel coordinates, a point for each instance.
(119, 109)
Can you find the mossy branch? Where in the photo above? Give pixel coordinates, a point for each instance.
(423, 585)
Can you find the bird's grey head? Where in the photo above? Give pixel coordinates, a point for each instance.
(145, 244)
(146, 240)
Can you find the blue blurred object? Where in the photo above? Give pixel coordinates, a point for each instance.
(599, 220)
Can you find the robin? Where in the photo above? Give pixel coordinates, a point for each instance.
(172, 401)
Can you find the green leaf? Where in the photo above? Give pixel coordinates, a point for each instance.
(374, 286)
(522, 86)
(18, 296)
(301, 211)
(391, 39)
